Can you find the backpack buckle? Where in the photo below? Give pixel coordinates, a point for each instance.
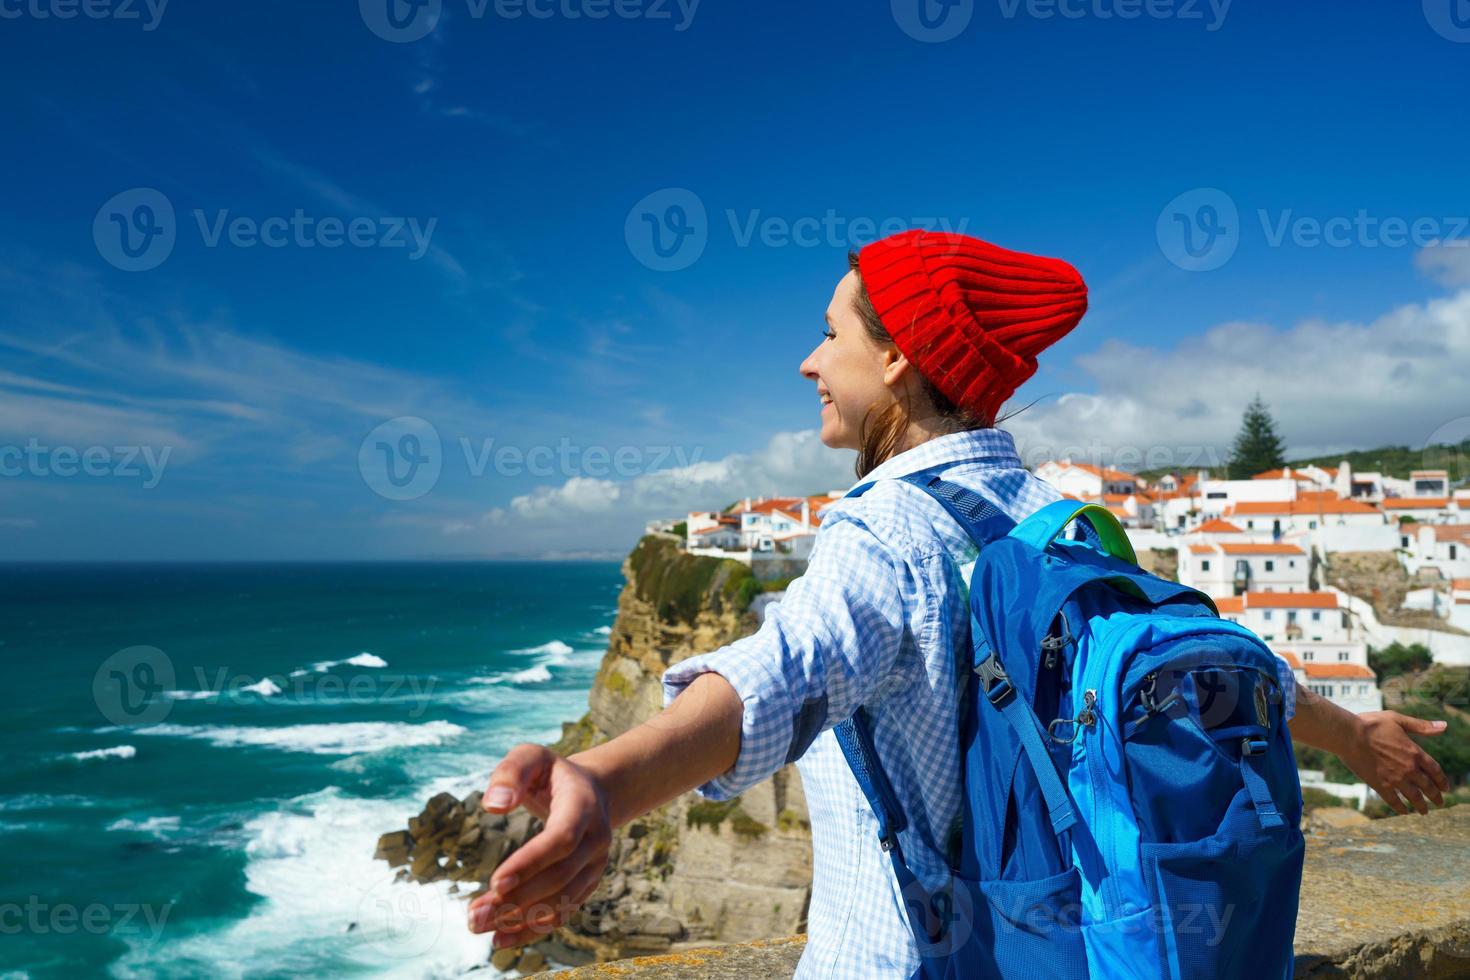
(1253, 746)
(994, 681)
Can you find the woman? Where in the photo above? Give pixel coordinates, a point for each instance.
(927, 335)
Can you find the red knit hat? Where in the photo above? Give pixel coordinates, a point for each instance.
(971, 316)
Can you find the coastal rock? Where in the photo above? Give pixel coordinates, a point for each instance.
(393, 847)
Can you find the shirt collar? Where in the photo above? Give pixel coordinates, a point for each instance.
(997, 446)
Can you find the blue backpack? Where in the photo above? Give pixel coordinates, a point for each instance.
(1132, 805)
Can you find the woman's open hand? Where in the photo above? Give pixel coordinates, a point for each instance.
(545, 880)
(1384, 757)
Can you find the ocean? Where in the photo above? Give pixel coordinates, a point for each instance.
(198, 759)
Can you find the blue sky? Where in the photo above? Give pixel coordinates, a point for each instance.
(502, 176)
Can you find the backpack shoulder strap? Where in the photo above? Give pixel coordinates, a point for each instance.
(982, 520)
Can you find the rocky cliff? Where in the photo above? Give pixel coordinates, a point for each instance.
(692, 873)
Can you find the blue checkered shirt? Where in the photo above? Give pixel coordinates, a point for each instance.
(881, 618)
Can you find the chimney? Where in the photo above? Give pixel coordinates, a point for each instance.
(747, 503)
(806, 513)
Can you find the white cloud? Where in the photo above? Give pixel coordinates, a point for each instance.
(1394, 380)
(598, 514)
(1447, 263)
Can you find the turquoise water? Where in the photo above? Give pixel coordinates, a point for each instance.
(221, 821)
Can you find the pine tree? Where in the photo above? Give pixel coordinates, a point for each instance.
(1257, 448)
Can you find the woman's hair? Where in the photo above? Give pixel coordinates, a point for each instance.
(880, 442)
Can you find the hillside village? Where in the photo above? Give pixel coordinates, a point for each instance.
(1259, 546)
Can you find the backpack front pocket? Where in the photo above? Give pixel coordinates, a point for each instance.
(1022, 928)
(1226, 904)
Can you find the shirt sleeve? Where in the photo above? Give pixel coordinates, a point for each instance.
(820, 653)
(1288, 687)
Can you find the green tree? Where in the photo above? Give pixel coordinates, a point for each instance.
(1396, 659)
(1257, 448)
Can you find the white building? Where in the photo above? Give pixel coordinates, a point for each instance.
(1425, 510)
(1318, 522)
(1459, 606)
(1312, 632)
(1307, 512)
(1310, 477)
(718, 537)
(1131, 509)
(1302, 620)
(1085, 481)
(1217, 497)
(1229, 568)
(1352, 686)
(1176, 502)
(1444, 547)
(766, 529)
(1429, 483)
(774, 519)
(1217, 529)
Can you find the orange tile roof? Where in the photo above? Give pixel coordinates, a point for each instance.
(1102, 471)
(1291, 600)
(1245, 548)
(1270, 475)
(1315, 506)
(1340, 670)
(790, 506)
(1217, 526)
(1202, 549)
(1451, 532)
(1460, 584)
(1415, 503)
(1277, 600)
(1290, 658)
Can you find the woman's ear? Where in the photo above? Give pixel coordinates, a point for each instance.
(895, 366)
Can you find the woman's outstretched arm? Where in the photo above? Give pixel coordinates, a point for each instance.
(1376, 746)
(583, 797)
(732, 718)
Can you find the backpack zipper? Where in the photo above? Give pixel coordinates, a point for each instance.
(1088, 717)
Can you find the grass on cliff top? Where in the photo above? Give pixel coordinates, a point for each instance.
(681, 585)
(712, 813)
(1394, 461)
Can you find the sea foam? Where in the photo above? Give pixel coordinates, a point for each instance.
(116, 752)
(157, 826)
(363, 659)
(325, 898)
(346, 738)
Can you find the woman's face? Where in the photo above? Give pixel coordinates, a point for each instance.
(853, 374)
